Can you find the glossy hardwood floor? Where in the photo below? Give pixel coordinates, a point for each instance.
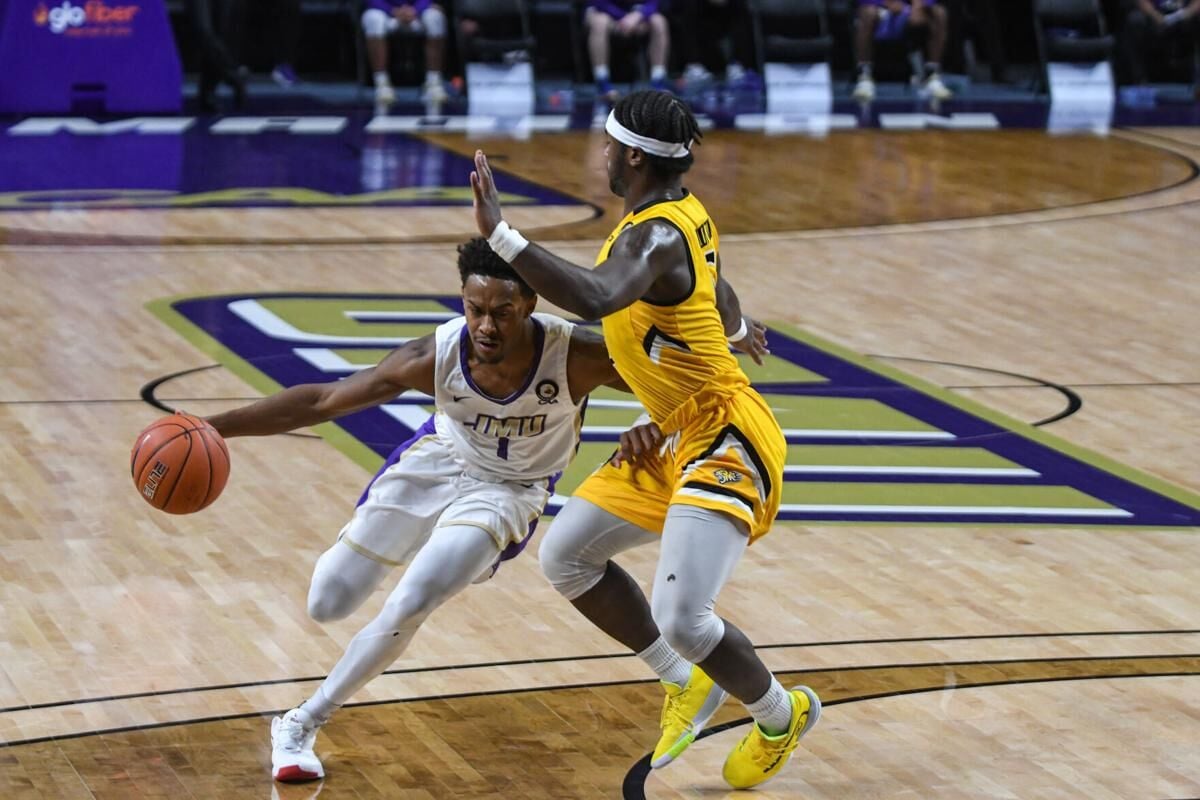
(142, 655)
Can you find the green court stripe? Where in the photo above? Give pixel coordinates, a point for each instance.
(358, 452)
(936, 494)
(328, 317)
(1142, 479)
(841, 413)
(900, 456)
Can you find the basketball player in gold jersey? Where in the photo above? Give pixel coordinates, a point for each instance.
(704, 474)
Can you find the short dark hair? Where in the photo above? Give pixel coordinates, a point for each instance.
(476, 257)
(662, 116)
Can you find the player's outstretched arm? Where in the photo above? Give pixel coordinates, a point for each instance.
(409, 366)
(589, 366)
(639, 258)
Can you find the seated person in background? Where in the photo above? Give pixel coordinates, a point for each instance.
(919, 22)
(381, 19)
(626, 18)
(1150, 22)
(209, 23)
(706, 26)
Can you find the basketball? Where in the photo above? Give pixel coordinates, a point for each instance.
(179, 464)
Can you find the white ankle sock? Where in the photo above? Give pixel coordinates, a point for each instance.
(666, 663)
(382, 79)
(658, 73)
(772, 711)
(318, 707)
(600, 73)
(433, 77)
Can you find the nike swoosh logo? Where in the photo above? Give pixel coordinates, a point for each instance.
(458, 397)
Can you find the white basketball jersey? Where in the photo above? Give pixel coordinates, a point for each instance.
(530, 435)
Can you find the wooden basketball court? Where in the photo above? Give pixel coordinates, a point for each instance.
(142, 655)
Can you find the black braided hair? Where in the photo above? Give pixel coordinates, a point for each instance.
(662, 116)
(476, 257)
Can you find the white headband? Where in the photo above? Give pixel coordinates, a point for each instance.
(654, 147)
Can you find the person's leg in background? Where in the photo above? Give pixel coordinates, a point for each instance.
(933, 19)
(690, 24)
(377, 25)
(217, 63)
(433, 22)
(599, 28)
(864, 51)
(659, 49)
(288, 23)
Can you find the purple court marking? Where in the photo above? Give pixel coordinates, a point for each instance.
(146, 170)
(381, 432)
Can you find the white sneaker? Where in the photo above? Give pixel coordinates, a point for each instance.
(864, 90)
(734, 73)
(385, 95)
(696, 74)
(292, 756)
(936, 89)
(434, 92)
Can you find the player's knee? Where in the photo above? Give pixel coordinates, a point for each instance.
(658, 24)
(374, 23)
(868, 15)
(331, 600)
(412, 604)
(433, 20)
(691, 633)
(565, 565)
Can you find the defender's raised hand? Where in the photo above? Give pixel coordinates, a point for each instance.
(487, 200)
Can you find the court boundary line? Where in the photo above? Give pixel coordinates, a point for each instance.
(643, 681)
(604, 656)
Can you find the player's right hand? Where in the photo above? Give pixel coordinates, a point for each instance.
(637, 443)
(754, 343)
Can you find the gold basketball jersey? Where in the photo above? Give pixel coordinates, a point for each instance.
(675, 356)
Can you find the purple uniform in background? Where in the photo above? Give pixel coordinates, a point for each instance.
(386, 6)
(619, 8)
(891, 25)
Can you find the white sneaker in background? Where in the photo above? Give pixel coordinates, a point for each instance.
(864, 90)
(936, 89)
(434, 92)
(385, 95)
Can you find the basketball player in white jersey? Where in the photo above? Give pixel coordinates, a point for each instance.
(463, 494)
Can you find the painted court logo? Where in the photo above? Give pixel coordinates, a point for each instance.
(866, 442)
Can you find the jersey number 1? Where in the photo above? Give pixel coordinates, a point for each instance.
(502, 447)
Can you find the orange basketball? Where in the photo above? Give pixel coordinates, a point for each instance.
(179, 464)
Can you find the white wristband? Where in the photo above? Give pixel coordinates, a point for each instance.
(506, 242)
(741, 333)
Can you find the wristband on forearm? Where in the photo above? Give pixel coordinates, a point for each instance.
(506, 242)
(741, 333)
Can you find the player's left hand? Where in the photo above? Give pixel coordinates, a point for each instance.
(637, 443)
(754, 343)
(487, 200)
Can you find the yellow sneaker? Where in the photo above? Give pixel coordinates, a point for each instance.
(758, 757)
(685, 711)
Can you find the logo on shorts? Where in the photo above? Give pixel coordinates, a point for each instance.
(725, 476)
(547, 392)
